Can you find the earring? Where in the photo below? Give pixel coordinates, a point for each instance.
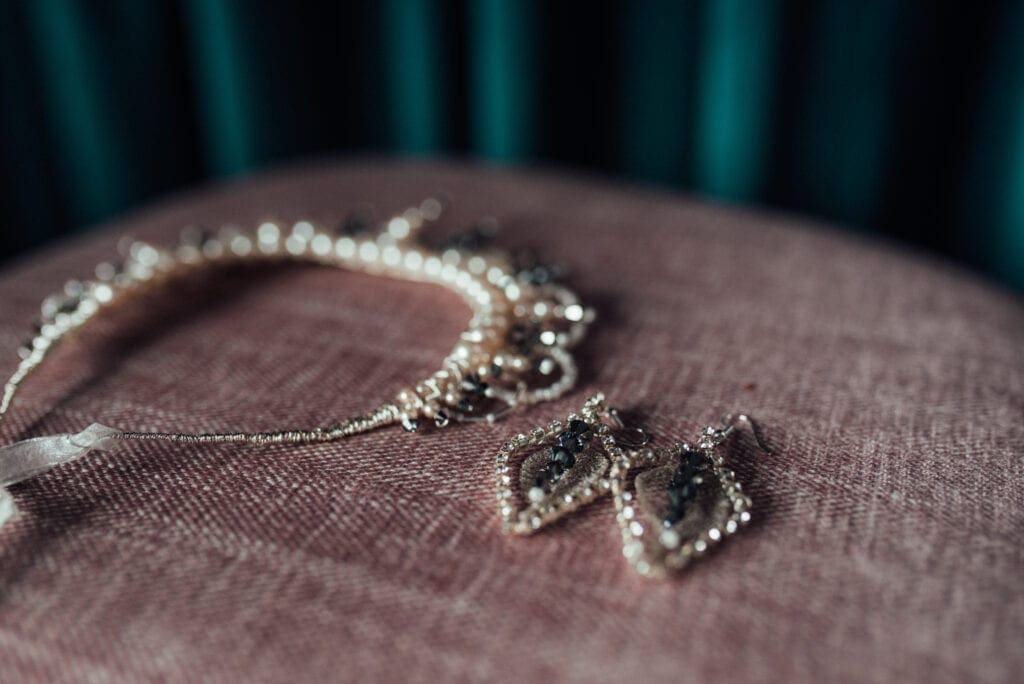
(672, 503)
(553, 470)
(684, 501)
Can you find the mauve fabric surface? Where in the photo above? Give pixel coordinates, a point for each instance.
(886, 542)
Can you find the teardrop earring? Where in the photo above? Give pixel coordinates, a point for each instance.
(682, 502)
(553, 470)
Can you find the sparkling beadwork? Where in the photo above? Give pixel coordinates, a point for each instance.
(508, 314)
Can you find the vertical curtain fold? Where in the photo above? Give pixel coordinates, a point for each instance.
(82, 111)
(30, 210)
(227, 90)
(841, 131)
(656, 108)
(993, 194)
(417, 93)
(735, 84)
(502, 63)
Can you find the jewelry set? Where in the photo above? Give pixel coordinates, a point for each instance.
(672, 503)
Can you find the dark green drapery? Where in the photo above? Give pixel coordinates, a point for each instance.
(902, 118)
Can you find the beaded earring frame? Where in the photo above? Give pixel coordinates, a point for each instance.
(553, 470)
(664, 524)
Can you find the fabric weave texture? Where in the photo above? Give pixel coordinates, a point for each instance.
(886, 543)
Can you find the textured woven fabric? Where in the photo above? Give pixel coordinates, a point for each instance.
(886, 542)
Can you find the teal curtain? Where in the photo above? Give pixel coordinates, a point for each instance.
(905, 119)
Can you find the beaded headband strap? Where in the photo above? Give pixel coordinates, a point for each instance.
(515, 351)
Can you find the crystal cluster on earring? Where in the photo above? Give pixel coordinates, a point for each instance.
(514, 352)
(684, 501)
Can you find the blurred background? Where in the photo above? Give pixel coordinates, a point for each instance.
(900, 119)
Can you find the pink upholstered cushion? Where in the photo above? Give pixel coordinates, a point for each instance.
(886, 543)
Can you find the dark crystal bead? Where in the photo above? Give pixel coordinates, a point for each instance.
(562, 457)
(465, 241)
(464, 406)
(578, 428)
(486, 229)
(692, 459)
(685, 471)
(539, 275)
(679, 496)
(460, 241)
(690, 464)
(473, 384)
(529, 268)
(571, 443)
(441, 419)
(523, 337)
(555, 472)
(475, 237)
(496, 370)
(681, 476)
(356, 224)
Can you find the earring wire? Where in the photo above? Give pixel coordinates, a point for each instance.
(730, 421)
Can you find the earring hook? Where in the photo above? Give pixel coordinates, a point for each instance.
(644, 437)
(730, 421)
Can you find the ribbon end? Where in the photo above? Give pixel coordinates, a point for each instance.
(8, 511)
